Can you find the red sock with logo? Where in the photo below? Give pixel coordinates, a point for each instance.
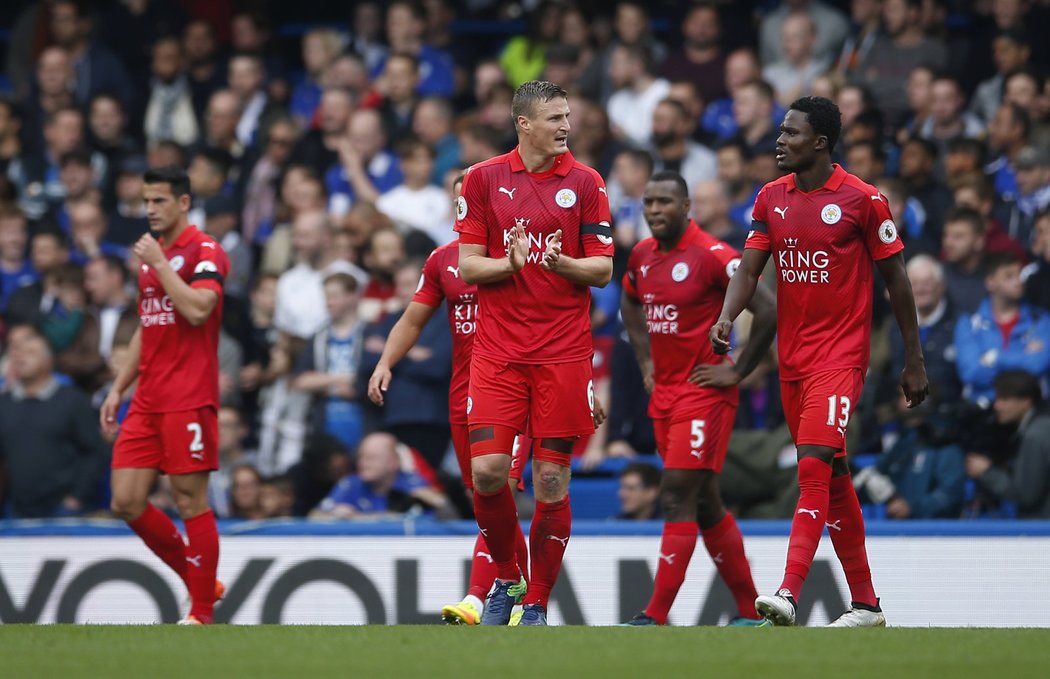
(482, 569)
(162, 537)
(202, 562)
(676, 549)
(548, 538)
(814, 477)
(725, 544)
(846, 528)
(497, 517)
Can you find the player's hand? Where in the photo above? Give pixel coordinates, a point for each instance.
(717, 376)
(898, 508)
(598, 413)
(719, 335)
(107, 414)
(552, 255)
(518, 248)
(148, 250)
(914, 383)
(378, 383)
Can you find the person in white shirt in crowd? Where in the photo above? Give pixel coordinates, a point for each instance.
(416, 203)
(792, 76)
(638, 92)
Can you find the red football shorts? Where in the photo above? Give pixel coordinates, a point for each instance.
(175, 443)
(461, 443)
(698, 442)
(545, 401)
(818, 407)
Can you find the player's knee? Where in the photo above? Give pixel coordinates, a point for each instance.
(190, 506)
(127, 507)
(490, 472)
(550, 482)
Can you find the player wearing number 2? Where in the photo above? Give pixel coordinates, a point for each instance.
(672, 294)
(172, 427)
(824, 227)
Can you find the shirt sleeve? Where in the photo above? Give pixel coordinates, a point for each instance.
(211, 268)
(595, 219)
(879, 229)
(758, 237)
(470, 210)
(728, 260)
(630, 277)
(429, 291)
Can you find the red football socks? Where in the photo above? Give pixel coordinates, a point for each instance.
(725, 544)
(814, 476)
(676, 548)
(202, 562)
(497, 517)
(548, 538)
(162, 537)
(483, 566)
(846, 528)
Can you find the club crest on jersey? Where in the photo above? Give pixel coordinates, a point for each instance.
(888, 231)
(461, 208)
(680, 272)
(565, 198)
(831, 214)
(176, 262)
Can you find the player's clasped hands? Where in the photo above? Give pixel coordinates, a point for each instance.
(552, 255)
(148, 250)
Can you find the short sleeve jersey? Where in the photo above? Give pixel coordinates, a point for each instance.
(682, 291)
(441, 282)
(823, 244)
(534, 316)
(179, 362)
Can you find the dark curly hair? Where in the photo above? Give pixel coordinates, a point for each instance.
(823, 116)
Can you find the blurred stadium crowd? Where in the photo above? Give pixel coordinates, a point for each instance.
(322, 143)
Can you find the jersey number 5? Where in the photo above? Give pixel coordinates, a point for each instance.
(838, 407)
(696, 432)
(196, 445)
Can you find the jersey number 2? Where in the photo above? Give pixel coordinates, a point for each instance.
(196, 445)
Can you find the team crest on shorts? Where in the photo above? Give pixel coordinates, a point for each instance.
(176, 262)
(680, 272)
(888, 231)
(565, 198)
(470, 404)
(831, 214)
(590, 394)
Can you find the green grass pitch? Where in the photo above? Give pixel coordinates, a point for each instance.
(576, 652)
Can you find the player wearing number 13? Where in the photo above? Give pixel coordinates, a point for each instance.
(824, 227)
(172, 427)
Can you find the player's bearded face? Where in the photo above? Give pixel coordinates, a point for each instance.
(549, 127)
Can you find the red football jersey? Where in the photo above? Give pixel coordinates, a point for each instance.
(535, 316)
(823, 244)
(179, 362)
(682, 292)
(441, 282)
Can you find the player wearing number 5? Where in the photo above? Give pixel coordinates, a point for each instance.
(824, 227)
(672, 294)
(172, 426)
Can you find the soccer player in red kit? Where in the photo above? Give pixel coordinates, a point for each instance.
(172, 426)
(672, 294)
(824, 227)
(441, 282)
(534, 236)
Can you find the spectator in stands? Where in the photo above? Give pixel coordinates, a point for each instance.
(674, 150)
(170, 112)
(247, 78)
(753, 111)
(1024, 89)
(576, 34)
(245, 492)
(638, 91)
(854, 101)
(320, 48)
(631, 28)
(366, 167)
(866, 160)
(301, 191)
(72, 333)
(1010, 51)
(251, 32)
(109, 139)
(405, 25)
(221, 217)
(741, 68)
(711, 212)
(88, 231)
(793, 74)
(733, 160)
(232, 435)
(901, 48)
(52, 92)
(221, 121)
(591, 138)
(973, 190)
(832, 29)
(922, 475)
(13, 152)
(700, 59)
(112, 306)
(1007, 134)
(416, 405)
(260, 182)
(15, 268)
(63, 132)
(52, 455)
(964, 253)
(1019, 403)
(127, 221)
(29, 304)
(416, 204)
(639, 492)
(918, 163)
(379, 487)
(919, 94)
(631, 171)
(866, 20)
(1036, 275)
(948, 120)
(96, 69)
(398, 83)
(1005, 333)
(206, 72)
(277, 497)
(318, 148)
(524, 57)
(383, 256)
(937, 320)
(432, 122)
(1033, 194)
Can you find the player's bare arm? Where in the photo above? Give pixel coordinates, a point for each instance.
(763, 307)
(107, 415)
(913, 378)
(739, 294)
(591, 271)
(634, 321)
(477, 268)
(193, 304)
(403, 337)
